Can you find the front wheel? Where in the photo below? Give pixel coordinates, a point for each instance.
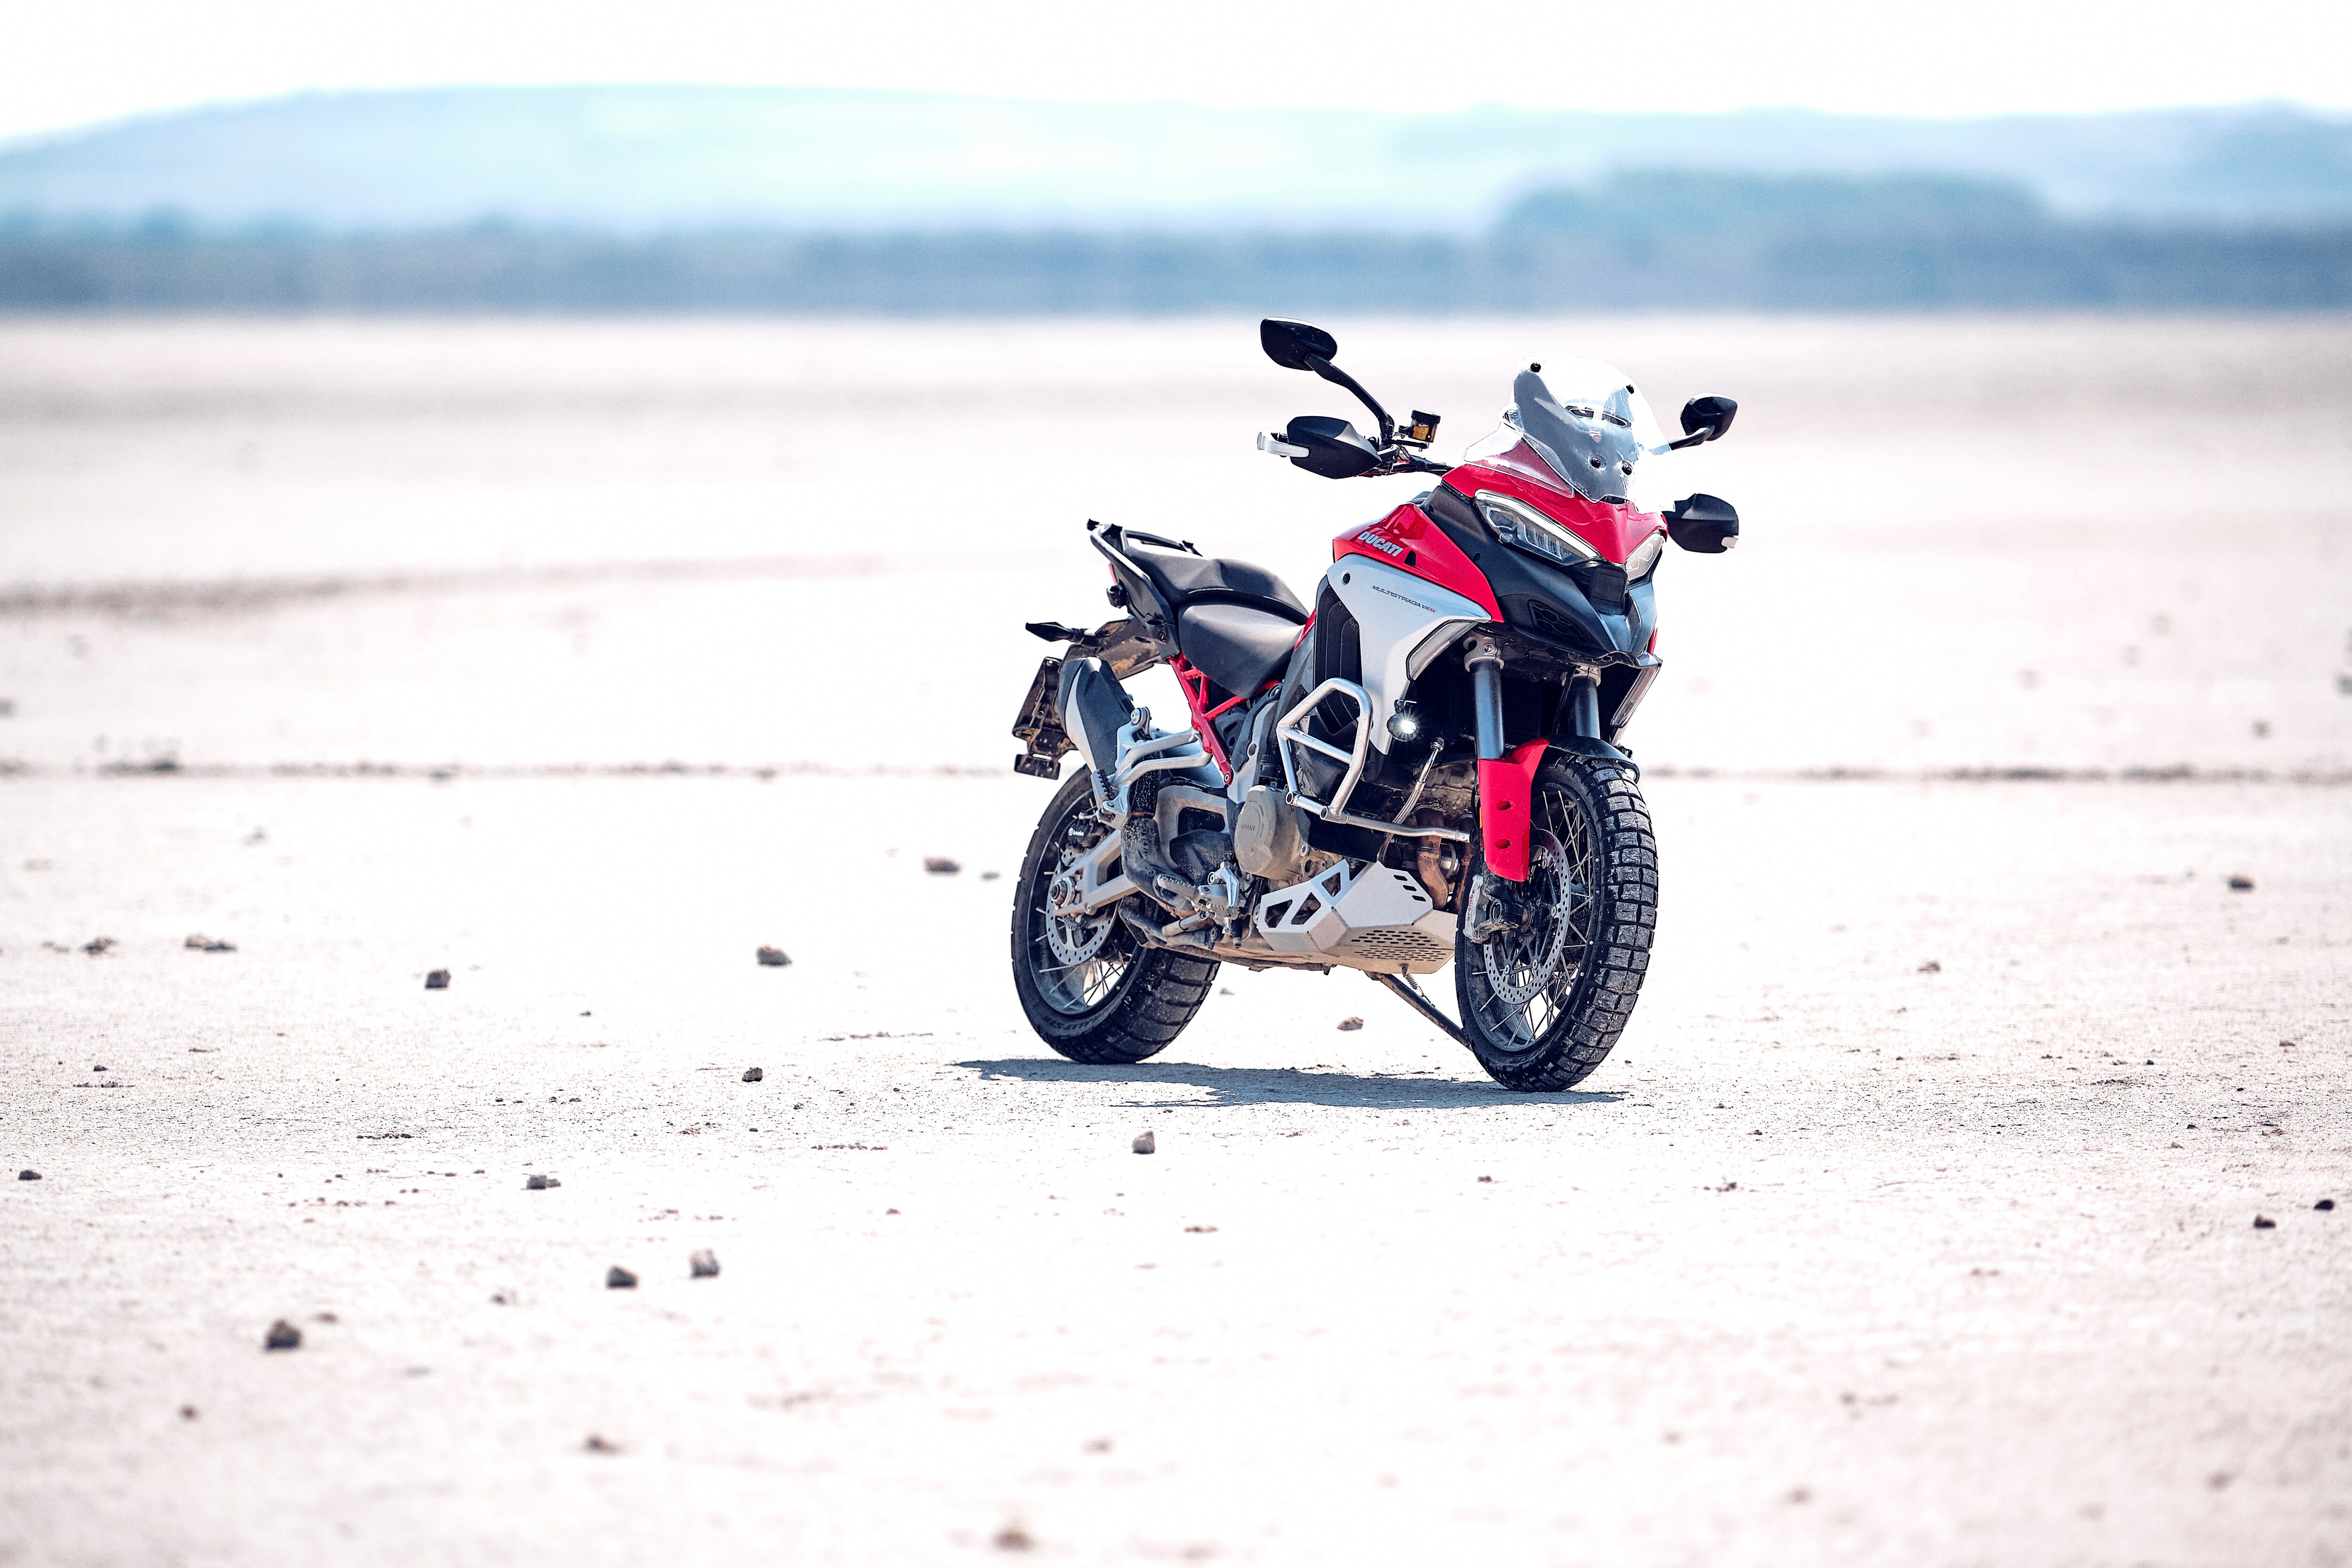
(1091, 989)
(1544, 1000)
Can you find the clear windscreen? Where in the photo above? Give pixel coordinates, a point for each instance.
(1588, 422)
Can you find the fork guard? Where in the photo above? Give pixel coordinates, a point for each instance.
(1505, 792)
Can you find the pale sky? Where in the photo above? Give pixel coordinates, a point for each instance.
(74, 62)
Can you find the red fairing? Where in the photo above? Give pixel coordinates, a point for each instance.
(1407, 541)
(1505, 790)
(1614, 531)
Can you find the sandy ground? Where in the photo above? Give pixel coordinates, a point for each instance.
(1836, 1259)
(1914, 1221)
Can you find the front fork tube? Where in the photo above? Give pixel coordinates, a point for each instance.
(1505, 783)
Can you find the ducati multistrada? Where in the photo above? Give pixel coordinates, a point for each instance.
(1422, 768)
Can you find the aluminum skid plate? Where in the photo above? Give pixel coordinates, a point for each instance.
(1378, 918)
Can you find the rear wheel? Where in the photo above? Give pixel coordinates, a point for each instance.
(1092, 991)
(1544, 1002)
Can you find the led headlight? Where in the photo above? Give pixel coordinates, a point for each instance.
(1523, 525)
(1645, 555)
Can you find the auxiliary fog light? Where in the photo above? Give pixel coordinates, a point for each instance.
(1404, 725)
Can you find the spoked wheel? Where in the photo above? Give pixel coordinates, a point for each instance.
(1544, 1001)
(1091, 989)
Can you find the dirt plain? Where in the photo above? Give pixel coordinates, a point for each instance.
(1914, 1221)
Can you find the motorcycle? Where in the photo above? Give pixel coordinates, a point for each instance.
(1423, 768)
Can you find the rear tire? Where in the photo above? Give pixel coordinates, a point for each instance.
(1543, 1005)
(1124, 1001)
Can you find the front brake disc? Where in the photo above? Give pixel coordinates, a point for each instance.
(1531, 954)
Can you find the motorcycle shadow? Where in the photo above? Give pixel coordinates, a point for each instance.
(1284, 1086)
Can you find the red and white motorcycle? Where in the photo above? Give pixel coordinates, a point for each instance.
(1421, 768)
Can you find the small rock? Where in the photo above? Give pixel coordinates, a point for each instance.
(596, 1445)
(1145, 1143)
(773, 958)
(187, 1412)
(28, 1175)
(940, 866)
(1932, 966)
(438, 981)
(535, 1184)
(2322, 1205)
(990, 876)
(97, 945)
(1012, 1538)
(704, 1264)
(1349, 1025)
(282, 1336)
(2241, 884)
(619, 1279)
(1486, 1178)
(209, 944)
(2261, 1223)
(754, 1075)
(1199, 1230)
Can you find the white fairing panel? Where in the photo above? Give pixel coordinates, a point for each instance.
(1395, 613)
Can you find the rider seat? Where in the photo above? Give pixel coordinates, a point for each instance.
(1236, 622)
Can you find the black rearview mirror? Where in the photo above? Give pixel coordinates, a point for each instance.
(1705, 419)
(1331, 448)
(1291, 345)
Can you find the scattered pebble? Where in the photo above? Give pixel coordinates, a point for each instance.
(1145, 1143)
(705, 1265)
(1932, 966)
(2241, 884)
(2322, 1205)
(1347, 1025)
(1199, 1230)
(940, 866)
(596, 1445)
(619, 1279)
(538, 1184)
(97, 945)
(2262, 1223)
(282, 1336)
(28, 1175)
(209, 944)
(1012, 1538)
(187, 1412)
(1486, 1178)
(438, 981)
(754, 1075)
(773, 958)
(990, 876)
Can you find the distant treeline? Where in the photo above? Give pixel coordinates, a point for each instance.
(1646, 239)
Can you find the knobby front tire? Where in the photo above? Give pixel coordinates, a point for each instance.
(1543, 1005)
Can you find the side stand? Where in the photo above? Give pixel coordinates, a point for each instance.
(1415, 998)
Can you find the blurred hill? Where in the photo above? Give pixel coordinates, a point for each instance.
(647, 159)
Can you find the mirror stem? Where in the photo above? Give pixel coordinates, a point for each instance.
(1332, 373)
